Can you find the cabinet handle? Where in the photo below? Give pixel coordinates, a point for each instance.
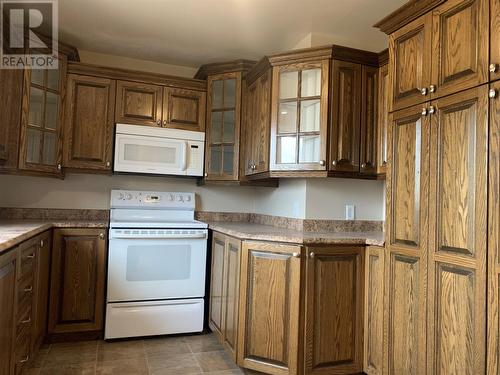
(26, 359)
(311, 254)
(424, 111)
(493, 68)
(29, 289)
(165, 122)
(296, 255)
(42, 243)
(101, 236)
(492, 93)
(59, 167)
(431, 110)
(322, 162)
(334, 163)
(26, 321)
(432, 88)
(363, 165)
(108, 164)
(423, 91)
(31, 256)
(206, 174)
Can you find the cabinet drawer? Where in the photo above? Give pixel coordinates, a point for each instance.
(27, 260)
(22, 351)
(25, 295)
(24, 321)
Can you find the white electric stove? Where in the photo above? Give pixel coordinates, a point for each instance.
(156, 265)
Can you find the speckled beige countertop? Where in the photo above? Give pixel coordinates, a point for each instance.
(251, 231)
(13, 232)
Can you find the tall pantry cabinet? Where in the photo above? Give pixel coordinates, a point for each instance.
(437, 240)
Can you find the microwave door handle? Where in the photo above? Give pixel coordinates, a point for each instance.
(184, 156)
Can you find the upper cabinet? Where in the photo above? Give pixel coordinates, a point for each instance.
(299, 114)
(41, 117)
(494, 66)
(138, 103)
(383, 101)
(184, 109)
(441, 52)
(89, 122)
(223, 130)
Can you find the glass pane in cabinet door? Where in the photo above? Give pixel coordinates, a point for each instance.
(51, 110)
(37, 76)
(36, 107)
(289, 82)
(53, 79)
(229, 124)
(230, 93)
(309, 149)
(309, 115)
(49, 148)
(215, 159)
(287, 118)
(311, 83)
(33, 146)
(216, 131)
(228, 160)
(287, 150)
(217, 100)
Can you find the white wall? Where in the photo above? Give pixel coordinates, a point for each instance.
(288, 200)
(92, 191)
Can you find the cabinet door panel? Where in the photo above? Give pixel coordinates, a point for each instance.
(42, 287)
(89, 122)
(457, 245)
(407, 242)
(369, 90)
(217, 283)
(460, 45)
(184, 109)
(269, 306)
(493, 354)
(77, 281)
(138, 103)
(382, 118)
(410, 59)
(8, 278)
(374, 319)
(345, 134)
(495, 38)
(334, 310)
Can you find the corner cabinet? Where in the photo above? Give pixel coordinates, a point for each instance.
(223, 127)
(299, 116)
(77, 282)
(40, 148)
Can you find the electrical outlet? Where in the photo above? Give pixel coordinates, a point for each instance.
(349, 212)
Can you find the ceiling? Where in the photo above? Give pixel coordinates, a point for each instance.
(196, 32)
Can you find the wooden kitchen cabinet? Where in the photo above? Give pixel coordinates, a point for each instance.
(40, 146)
(138, 103)
(258, 121)
(223, 127)
(184, 109)
(89, 123)
(373, 314)
(368, 138)
(334, 310)
(78, 273)
(456, 333)
(268, 334)
(494, 67)
(11, 87)
(299, 116)
(410, 51)
(41, 290)
(460, 46)
(345, 125)
(8, 278)
(407, 227)
(383, 109)
(493, 308)
(215, 320)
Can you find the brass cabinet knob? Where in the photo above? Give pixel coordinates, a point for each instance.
(296, 255)
(493, 68)
(108, 164)
(424, 111)
(432, 88)
(59, 167)
(322, 162)
(363, 165)
(311, 254)
(28, 289)
(158, 122)
(334, 162)
(101, 236)
(206, 174)
(164, 122)
(492, 93)
(423, 91)
(42, 243)
(431, 110)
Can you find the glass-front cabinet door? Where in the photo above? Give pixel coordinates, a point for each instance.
(299, 116)
(223, 127)
(40, 142)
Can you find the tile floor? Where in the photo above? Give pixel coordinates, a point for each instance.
(181, 355)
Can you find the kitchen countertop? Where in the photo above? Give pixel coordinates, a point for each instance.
(251, 231)
(13, 232)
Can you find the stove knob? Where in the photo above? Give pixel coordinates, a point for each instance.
(188, 198)
(179, 198)
(170, 197)
(128, 196)
(120, 196)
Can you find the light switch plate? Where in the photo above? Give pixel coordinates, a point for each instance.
(349, 212)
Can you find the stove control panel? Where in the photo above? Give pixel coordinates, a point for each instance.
(152, 199)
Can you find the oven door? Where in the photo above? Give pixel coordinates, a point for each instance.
(156, 264)
(142, 154)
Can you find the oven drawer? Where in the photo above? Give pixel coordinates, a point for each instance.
(133, 319)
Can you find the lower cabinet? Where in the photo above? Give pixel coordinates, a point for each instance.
(8, 271)
(77, 282)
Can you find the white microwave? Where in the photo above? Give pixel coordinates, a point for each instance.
(143, 149)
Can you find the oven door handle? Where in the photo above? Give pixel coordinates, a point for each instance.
(161, 237)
